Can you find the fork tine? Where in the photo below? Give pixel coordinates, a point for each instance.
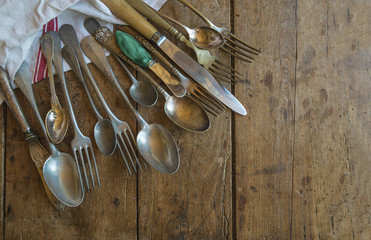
(213, 106)
(239, 50)
(127, 152)
(132, 149)
(207, 107)
(236, 55)
(222, 78)
(238, 47)
(78, 169)
(83, 167)
(231, 35)
(230, 77)
(222, 65)
(89, 163)
(134, 143)
(123, 156)
(95, 165)
(223, 71)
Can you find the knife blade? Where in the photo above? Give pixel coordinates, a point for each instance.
(185, 62)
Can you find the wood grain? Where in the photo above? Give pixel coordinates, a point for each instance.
(296, 167)
(108, 212)
(332, 132)
(264, 139)
(195, 202)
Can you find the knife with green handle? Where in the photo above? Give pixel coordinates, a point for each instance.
(126, 12)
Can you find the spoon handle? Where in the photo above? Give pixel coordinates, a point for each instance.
(38, 153)
(57, 59)
(47, 46)
(94, 51)
(69, 55)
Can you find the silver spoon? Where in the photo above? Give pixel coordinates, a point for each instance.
(154, 141)
(60, 171)
(142, 92)
(104, 133)
(184, 112)
(201, 37)
(56, 120)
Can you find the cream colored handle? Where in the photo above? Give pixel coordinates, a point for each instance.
(124, 11)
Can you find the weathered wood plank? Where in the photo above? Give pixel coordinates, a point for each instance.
(332, 134)
(195, 202)
(264, 138)
(3, 113)
(108, 212)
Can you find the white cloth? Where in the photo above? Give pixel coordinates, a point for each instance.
(24, 21)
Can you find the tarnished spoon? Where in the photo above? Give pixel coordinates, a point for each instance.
(154, 141)
(104, 133)
(60, 171)
(56, 121)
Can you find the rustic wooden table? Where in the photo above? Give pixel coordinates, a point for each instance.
(296, 167)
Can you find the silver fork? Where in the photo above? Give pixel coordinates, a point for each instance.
(233, 44)
(126, 142)
(80, 144)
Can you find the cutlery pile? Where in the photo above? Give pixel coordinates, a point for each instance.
(192, 97)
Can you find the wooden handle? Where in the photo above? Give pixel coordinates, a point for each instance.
(144, 9)
(128, 14)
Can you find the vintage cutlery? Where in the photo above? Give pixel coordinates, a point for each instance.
(154, 141)
(217, 68)
(194, 90)
(184, 112)
(232, 42)
(104, 133)
(60, 171)
(122, 129)
(38, 153)
(80, 144)
(56, 121)
(199, 74)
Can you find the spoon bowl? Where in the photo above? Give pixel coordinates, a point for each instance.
(205, 37)
(187, 114)
(60, 173)
(158, 147)
(56, 123)
(105, 136)
(143, 93)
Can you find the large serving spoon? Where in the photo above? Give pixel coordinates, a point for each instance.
(104, 133)
(154, 141)
(56, 120)
(60, 171)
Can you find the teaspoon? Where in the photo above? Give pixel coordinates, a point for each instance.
(56, 121)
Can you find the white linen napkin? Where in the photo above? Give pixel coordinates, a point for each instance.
(24, 21)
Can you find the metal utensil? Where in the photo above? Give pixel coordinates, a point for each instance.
(56, 121)
(233, 44)
(216, 67)
(194, 90)
(184, 112)
(104, 133)
(60, 171)
(38, 153)
(199, 74)
(155, 142)
(80, 144)
(122, 129)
